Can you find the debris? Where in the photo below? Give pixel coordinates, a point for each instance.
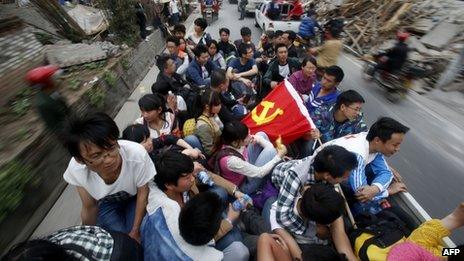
(441, 35)
(91, 20)
(371, 26)
(73, 54)
(415, 44)
(110, 49)
(59, 18)
(422, 25)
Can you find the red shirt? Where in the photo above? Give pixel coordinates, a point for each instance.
(297, 9)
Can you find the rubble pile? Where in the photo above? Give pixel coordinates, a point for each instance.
(437, 28)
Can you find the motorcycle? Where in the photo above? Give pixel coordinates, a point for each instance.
(397, 84)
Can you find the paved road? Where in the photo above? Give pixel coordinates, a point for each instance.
(228, 17)
(431, 158)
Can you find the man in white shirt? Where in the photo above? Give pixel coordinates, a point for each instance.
(371, 181)
(111, 176)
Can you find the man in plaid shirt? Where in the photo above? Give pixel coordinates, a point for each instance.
(331, 165)
(79, 243)
(341, 119)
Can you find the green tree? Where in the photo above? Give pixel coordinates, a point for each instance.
(122, 19)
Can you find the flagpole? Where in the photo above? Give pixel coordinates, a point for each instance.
(347, 207)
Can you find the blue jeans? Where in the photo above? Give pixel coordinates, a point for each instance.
(193, 141)
(233, 236)
(257, 156)
(239, 110)
(175, 18)
(239, 89)
(221, 192)
(117, 215)
(266, 213)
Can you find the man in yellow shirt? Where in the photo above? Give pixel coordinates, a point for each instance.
(328, 53)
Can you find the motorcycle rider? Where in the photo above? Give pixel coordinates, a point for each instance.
(393, 59)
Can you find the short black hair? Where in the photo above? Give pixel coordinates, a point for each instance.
(150, 102)
(136, 133)
(245, 31)
(335, 71)
(347, 98)
(270, 34)
(334, 27)
(218, 77)
(384, 128)
(243, 49)
(173, 39)
(291, 35)
(224, 30)
(38, 249)
(310, 59)
(200, 218)
(199, 50)
(278, 33)
(170, 167)
(179, 28)
(280, 46)
(96, 128)
(210, 42)
(201, 22)
(335, 160)
(322, 204)
(162, 60)
(234, 131)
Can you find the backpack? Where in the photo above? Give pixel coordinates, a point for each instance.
(377, 234)
(190, 125)
(213, 162)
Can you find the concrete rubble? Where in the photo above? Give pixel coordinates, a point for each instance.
(66, 55)
(437, 28)
(441, 35)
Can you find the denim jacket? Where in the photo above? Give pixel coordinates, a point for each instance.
(161, 239)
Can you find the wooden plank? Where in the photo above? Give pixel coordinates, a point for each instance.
(394, 20)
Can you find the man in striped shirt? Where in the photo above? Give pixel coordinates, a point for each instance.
(325, 92)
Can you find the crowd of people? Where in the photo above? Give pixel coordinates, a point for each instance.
(187, 180)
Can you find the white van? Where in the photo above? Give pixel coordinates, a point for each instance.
(265, 23)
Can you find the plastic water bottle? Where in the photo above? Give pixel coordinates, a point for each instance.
(204, 178)
(242, 203)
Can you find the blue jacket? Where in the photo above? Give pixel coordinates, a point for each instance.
(376, 173)
(157, 241)
(194, 74)
(306, 28)
(313, 102)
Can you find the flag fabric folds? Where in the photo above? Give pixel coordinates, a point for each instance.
(281, 113)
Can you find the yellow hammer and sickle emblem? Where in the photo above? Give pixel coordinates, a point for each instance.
(263, 117)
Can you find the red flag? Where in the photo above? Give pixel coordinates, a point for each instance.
(281, 113)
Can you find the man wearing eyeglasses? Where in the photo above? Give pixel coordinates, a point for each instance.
(341, 119)
(111, 176)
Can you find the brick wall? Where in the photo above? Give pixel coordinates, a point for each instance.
(20, 52)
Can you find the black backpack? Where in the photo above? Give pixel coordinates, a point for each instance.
(384, 230)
